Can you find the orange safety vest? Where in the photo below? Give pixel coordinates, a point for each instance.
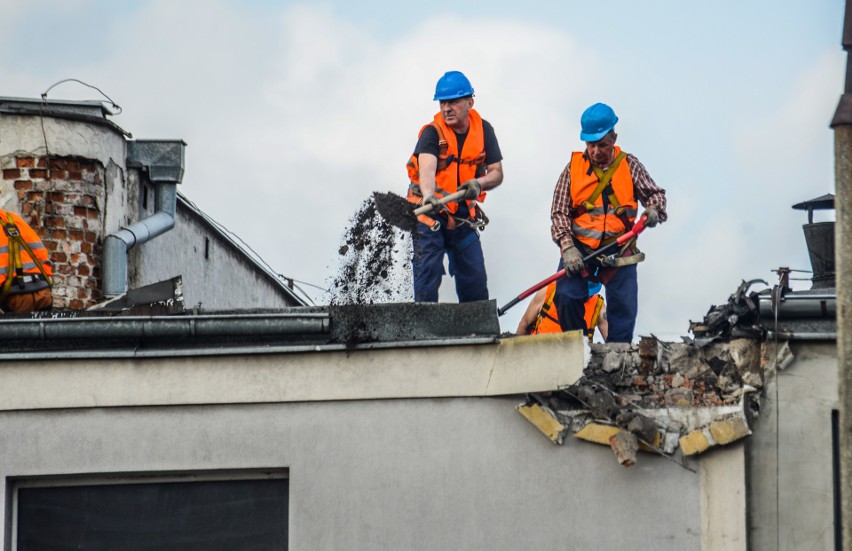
(548, 318)
(454, 168)
(591, 225)
(21, 250)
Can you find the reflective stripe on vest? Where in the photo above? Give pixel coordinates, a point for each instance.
(453, 168)
(29, 265)
(596, 225)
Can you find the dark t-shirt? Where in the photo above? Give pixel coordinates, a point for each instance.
(428, 143)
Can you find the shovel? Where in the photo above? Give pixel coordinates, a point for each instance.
(637, 228)
(399, 211)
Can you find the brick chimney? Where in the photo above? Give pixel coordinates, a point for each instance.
(63, 170)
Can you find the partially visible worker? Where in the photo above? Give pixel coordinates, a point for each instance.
(596, 200)
(25, 269)
(541, 315)
(456, 151)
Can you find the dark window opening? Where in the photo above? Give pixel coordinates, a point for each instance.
(206, 248)
(144, 197)
(170, 515)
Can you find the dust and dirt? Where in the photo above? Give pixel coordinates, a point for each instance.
(375, 258)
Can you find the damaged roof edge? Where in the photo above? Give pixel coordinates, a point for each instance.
(675, 400)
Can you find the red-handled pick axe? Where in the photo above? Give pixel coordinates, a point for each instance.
(637, 228)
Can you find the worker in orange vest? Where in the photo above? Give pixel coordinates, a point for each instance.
(456, 151)
(25, 269)
(541, 315)
(596, 200)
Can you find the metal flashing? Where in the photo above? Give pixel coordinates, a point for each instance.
(88, 111)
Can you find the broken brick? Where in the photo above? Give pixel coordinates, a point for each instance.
(679, 397)
(648, 348)
(624, 445)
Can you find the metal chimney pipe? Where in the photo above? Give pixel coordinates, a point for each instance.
(819, 237)
(163, 160)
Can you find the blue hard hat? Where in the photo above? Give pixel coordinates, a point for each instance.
(453, 85)
(596, 121)
(594, 288)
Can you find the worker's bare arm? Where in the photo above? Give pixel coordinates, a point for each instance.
(493, 176)
(428, 167)
(531, 312)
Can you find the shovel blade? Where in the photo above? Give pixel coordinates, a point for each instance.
(397, 211)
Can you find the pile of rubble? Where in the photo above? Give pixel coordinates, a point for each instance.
(676, 399)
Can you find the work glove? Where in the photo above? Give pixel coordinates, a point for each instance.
(572, 261)
(473, 188)
(432, 200)
(652, 218)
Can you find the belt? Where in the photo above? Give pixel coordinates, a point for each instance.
(30, 278)
(28, 283)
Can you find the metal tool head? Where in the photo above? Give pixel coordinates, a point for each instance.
(397, 211)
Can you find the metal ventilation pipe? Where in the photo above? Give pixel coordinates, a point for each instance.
(163, 160)
(819, 237)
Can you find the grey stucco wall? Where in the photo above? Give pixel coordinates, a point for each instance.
(790, 499)
(462, 473)
(222, 280)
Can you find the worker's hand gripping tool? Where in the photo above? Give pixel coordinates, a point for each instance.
(622, 239)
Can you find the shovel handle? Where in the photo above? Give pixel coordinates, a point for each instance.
(427, 208)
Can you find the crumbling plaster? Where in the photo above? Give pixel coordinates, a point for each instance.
(39, 136)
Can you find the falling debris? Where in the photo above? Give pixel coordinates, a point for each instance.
(375, 261)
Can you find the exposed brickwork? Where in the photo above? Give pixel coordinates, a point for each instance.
(61, 199)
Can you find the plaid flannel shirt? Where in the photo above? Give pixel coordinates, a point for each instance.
(648, 193)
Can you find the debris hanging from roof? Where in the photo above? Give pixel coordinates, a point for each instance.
(674, 399)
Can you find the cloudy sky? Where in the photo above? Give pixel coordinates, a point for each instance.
(295, 112)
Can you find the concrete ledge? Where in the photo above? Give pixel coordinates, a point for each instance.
(513, 366)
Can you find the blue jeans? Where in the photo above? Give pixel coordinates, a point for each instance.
(621, 303)
(467, 264)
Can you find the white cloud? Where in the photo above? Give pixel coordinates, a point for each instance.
(293, 120)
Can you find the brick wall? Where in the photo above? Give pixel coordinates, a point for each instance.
(61, 199)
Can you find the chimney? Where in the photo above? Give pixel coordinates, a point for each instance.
(819, 237)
